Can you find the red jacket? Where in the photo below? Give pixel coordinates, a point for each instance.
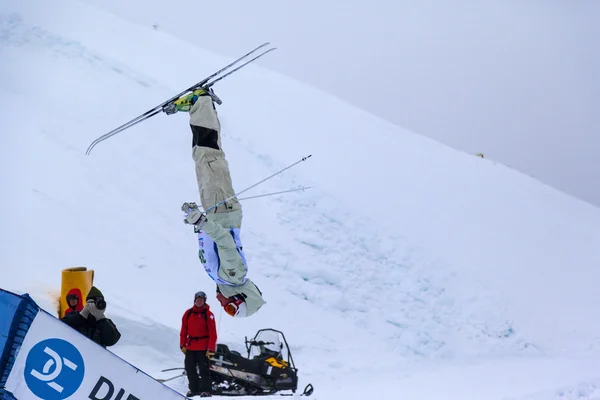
(198, 330)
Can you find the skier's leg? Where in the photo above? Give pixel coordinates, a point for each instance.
(191, 371)
(212, 169)
(214, 180)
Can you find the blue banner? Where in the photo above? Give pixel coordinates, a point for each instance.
(16, 315)
(44, 358)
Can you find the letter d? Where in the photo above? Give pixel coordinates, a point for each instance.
(99, 384)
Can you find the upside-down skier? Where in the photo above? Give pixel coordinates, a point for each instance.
(218, 228)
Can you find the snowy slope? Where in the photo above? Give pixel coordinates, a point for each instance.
(405, 262)
(506, 78)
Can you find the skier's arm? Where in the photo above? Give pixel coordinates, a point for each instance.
(225, 244)
(109, 334)
(232, 267)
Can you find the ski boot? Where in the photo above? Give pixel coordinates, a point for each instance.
(185, 102)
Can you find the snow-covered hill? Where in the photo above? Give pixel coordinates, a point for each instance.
(506, 78)
(405, 263)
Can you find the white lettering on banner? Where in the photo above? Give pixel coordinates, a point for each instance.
(100, 385)
(56, 362)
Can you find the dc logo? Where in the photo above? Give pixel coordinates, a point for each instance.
(54, 369)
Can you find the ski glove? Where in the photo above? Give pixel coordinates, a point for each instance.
(95, 311)
(86, 311)
(183, 349)
(210, 354)
(193, 215)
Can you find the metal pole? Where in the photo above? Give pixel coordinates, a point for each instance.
(255, 185)
(273, 194)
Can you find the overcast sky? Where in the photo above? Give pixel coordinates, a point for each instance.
(516, 80)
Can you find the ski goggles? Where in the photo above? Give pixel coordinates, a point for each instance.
(236, 308)
(200, 294)
(72, 297)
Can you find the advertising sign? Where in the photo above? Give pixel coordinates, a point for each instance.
(55, 362)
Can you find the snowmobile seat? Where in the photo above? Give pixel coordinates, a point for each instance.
(235, 357)
(223, 348)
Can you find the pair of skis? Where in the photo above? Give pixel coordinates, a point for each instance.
(206, 83)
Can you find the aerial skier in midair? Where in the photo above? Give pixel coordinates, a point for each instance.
(218, 227)
(218, 224)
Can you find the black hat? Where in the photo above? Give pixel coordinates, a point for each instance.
(94, 294)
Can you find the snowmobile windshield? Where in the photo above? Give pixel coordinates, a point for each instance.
(268, 344)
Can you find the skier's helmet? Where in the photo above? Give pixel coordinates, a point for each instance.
(236, 307)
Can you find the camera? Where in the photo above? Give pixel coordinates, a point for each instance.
(100, 303)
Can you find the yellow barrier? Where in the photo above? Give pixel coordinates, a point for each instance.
(75, 281)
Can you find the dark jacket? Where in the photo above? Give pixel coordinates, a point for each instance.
(198, 330)
(103, 332)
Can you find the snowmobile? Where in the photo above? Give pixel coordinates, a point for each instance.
(267, 368)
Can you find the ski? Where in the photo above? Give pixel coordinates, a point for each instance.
(209, 84)
(161, 380)
(206, 81)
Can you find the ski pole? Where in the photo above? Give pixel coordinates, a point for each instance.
(171, 378)
(273, 194)
(256, 184)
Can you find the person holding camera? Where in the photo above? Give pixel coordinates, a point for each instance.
(92, 322)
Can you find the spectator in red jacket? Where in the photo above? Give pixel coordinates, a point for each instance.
(198, 340)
